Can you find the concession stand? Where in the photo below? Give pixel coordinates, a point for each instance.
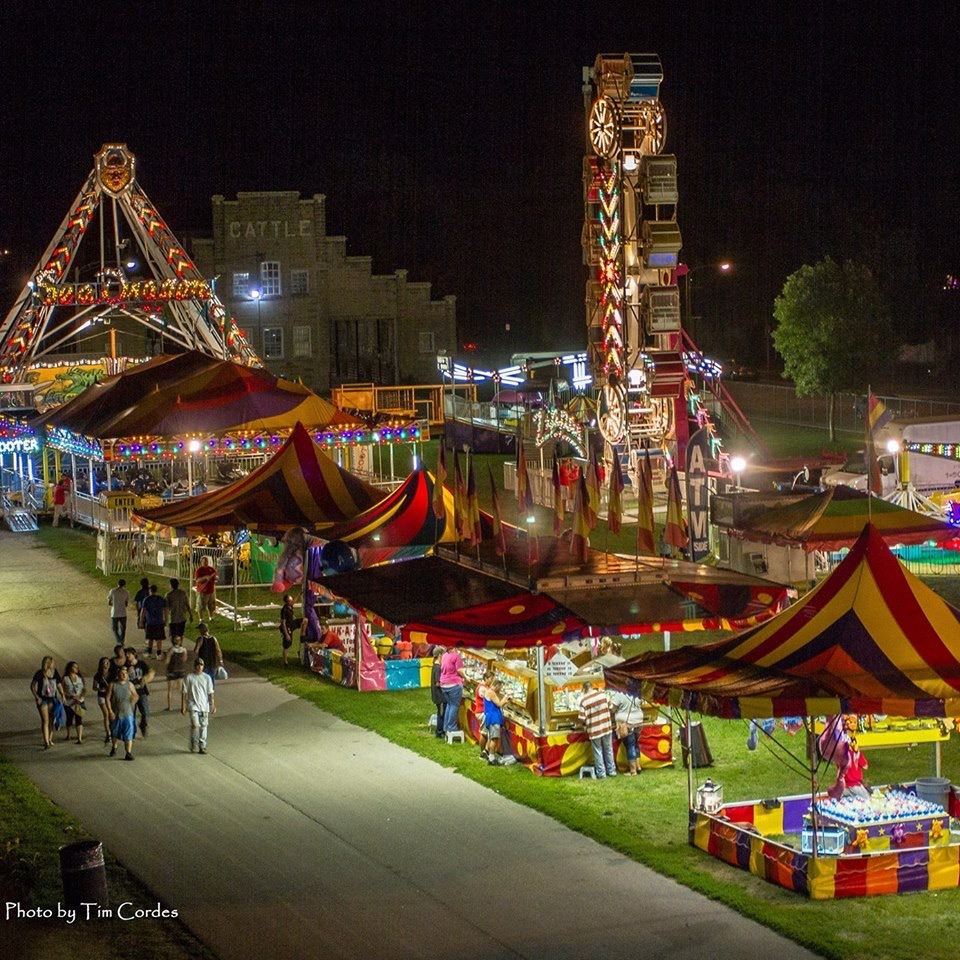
(873, 647)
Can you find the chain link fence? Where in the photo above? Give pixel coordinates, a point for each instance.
(780, 404)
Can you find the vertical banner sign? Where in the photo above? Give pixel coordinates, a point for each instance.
(698, 494)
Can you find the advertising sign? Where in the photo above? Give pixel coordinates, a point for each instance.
(698, 494)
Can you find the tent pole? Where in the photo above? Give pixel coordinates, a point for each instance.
(235, 594)
(812, 759)
(541, 693)
(666, 640)
(690, 793)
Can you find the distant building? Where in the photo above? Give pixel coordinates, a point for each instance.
(310, 310)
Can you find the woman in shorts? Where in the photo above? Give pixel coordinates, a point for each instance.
(46, 690)
(100, 682)
(73, 692)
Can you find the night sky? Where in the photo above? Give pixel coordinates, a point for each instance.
(448, 138)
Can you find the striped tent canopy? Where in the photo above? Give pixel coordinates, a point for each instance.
(400, 526)
(871, 638)
(833, 519)
(299, 486)
(193, 393)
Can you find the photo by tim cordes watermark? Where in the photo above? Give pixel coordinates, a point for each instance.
(88, 912)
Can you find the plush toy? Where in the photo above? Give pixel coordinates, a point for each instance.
(289, 570)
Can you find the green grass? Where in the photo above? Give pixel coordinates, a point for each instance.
(643, 818)
(32, 829)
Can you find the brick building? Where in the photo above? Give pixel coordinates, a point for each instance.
(310, 310)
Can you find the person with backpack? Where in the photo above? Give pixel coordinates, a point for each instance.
(47, 690)
(207, 649)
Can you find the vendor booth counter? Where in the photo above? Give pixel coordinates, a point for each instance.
(889, 854)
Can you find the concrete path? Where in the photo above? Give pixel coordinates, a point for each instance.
(300, 835)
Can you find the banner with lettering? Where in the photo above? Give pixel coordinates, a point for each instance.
(698, 494)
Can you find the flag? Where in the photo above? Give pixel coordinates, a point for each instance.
(580, 540)
(558, 511)
(675, 532)
(498, 534)
(877, 416)
(524, 493)
(439, 507)
(646, 541)
(593, 490)
(473, 508)
(459, 500)
(615, 498)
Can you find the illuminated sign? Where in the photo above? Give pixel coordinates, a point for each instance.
(120, 291)
(20, 445)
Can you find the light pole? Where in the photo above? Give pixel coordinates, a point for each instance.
(685, 270)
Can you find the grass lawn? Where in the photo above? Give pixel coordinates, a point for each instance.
(32, 829)
(643, 818)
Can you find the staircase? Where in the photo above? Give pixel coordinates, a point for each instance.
(17, 518)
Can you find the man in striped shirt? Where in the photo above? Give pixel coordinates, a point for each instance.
(598, 723)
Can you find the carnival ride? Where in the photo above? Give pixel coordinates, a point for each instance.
(158, 288)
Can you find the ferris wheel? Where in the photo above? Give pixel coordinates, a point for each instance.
(631, 244)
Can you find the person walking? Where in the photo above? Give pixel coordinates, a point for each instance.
(119, 660)
(178, 612)
(47, 690)
(595, 716)
(290, 623)
(176, 667)
(205, 583)
(207, 649)
(61, 505)
(139, 674)
(451, 683)
(196, 695)
(436, 692)
(100, 683)
(74, 690)
(123, 700)
(140, 596)
(118, 600)
(628, 716)
(153, 618)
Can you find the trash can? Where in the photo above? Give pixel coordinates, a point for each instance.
(84, 874)
(698, 740)
(934, 790)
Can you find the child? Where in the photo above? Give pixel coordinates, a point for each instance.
(478, 698)
(493, 716)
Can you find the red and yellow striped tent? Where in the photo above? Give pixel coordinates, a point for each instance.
(300, 486)
(193, 393)
(833, 519)
(871, 638)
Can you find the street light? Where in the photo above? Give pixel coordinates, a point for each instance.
(257, 295)
(684, 270)
(738, 465)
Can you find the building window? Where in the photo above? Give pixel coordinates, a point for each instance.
(273, 343)
(241, 284)
(302, 346)
(299, 282)
(428, 341)
(270, 278)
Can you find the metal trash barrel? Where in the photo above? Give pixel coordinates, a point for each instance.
(84, 874)
(934, 790)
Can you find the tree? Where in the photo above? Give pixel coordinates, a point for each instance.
(832, 329)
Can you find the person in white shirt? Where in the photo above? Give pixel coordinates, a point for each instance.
(196, 695)
(118, 599)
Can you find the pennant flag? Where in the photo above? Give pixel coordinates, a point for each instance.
(460, 500)
(558, 511)
(593, 490)
(439, 507)
(499, 538)
(473, 508)
(580, 540)
(615, 499)
(877, 416)
(675, 533)
(646, 540)
(524, 493)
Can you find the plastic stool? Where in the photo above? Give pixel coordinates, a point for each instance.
(588, 771)
(432, 722)
(455, 735)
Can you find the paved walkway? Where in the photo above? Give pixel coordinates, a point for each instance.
(301, 835)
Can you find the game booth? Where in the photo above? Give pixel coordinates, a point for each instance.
(386, 621)
(870, 653)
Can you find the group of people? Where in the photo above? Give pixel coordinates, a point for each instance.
(601, 713)
(121, 683)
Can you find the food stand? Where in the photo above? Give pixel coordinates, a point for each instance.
(871, 639)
